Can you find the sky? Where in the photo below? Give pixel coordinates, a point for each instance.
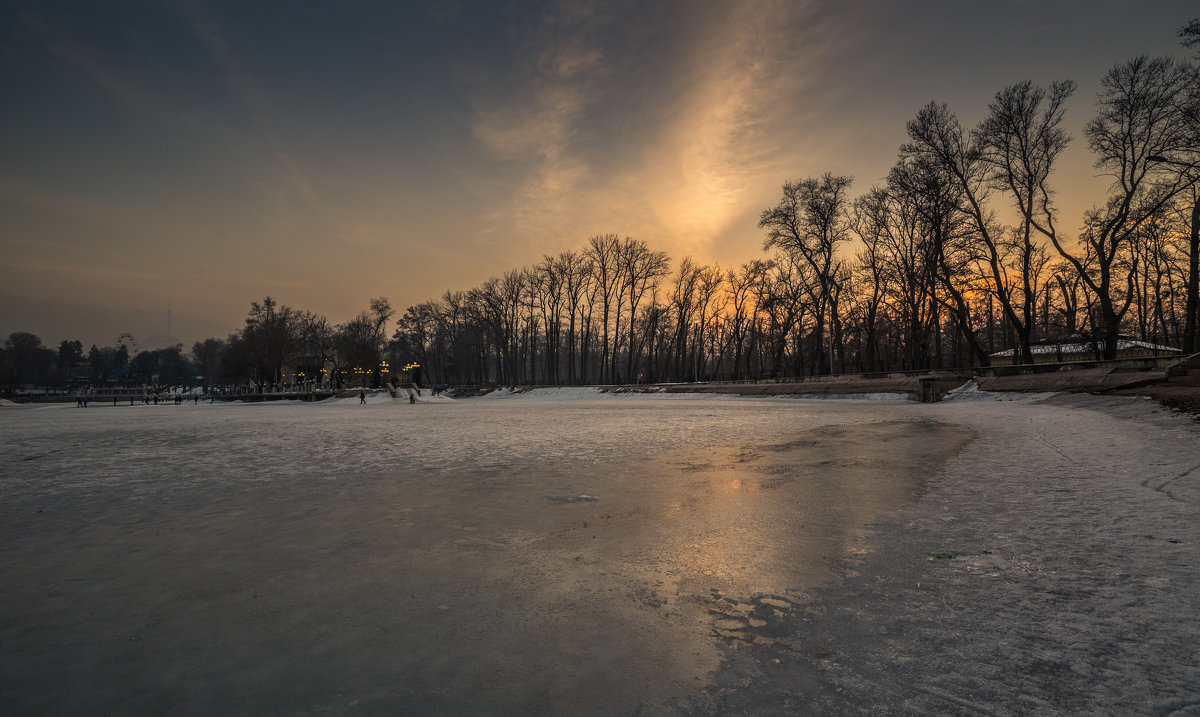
(202, 155)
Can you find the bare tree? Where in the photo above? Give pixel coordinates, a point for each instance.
(811, 221)
(641, 269)
(1189, 35)
(937, 137)
(1020, 141)
(207, 355)
(1139, 116)
(576, 273)
(270, 340)
(604, 252)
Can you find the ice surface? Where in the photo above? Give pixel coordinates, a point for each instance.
(357, 545)
(146, 447)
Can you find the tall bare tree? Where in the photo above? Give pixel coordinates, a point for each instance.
(641, 269)
(1139, 116)
(811, 220)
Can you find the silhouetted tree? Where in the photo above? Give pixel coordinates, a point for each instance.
(268, 340)
(207, 355)
(811, 220)
(70, 355)
(22, 353)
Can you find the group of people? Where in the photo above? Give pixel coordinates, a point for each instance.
(412, 397)
(83, 400)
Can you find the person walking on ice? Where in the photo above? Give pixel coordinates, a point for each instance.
(362, 397)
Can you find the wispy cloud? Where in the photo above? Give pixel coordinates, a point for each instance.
(241, 83)
(102, 73)
(721, 141)
(707, 125)
(67, 269)
(287, 177)
(536, 125)
(103, 213)
(361, 234)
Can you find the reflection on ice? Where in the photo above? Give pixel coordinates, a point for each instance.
(570, 549)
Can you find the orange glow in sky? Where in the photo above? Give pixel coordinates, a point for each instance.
(209, 154)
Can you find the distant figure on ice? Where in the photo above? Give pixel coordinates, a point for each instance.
(362, 397)
(412, 398)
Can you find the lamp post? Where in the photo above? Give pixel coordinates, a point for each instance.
(829, 300)
(1192, 304)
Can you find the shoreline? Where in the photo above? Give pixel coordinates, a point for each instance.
(1174, 395)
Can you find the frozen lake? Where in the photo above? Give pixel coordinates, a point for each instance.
(271, 442)
(588, 554)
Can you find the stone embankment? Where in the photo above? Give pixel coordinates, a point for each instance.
(1175, 384)
(926, 388)
(1182, 378)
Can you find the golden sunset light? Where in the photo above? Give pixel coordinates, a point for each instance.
(207, 156)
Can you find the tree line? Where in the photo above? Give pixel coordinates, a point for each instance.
(959, 253)
(278, 346)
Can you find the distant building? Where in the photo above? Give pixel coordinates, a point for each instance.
(1081, 348)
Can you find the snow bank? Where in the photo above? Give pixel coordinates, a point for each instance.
(579, 392)
(593, 392)
(557, 392)
(851, 396)
(970, 391)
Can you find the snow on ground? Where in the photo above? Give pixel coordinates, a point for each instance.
(561, 393)
(970, 391)
(592, 392)
(558, 392)
(853, 396)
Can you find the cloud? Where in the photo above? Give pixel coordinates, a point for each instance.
(287, 174)
(361, 235)
(442, 11)
(536, 124)
(105, 76)
(93, 271)
(241, 83)
(694, 109)
(104, 213)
